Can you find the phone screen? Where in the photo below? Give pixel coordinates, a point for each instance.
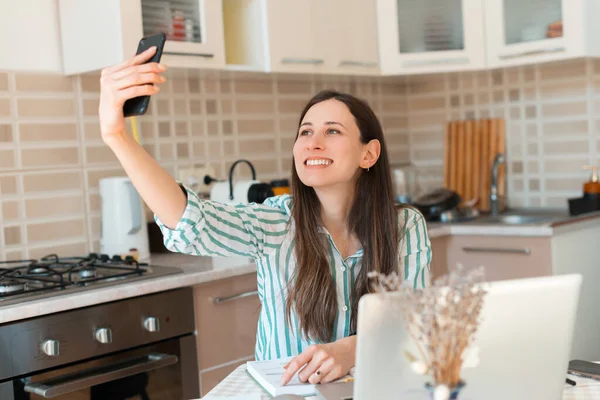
(139, 105)
(584, 368)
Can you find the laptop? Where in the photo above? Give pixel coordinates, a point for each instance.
(524, 343)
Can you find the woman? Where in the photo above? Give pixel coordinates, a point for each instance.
(313, 249)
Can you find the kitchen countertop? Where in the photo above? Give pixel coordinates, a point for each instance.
(196, 270)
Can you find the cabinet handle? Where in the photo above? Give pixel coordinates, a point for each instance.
(416, 63)
(179, 53)
(218, 300)
(495, 250)
(531, 53)
(314, 61)
(352, 63)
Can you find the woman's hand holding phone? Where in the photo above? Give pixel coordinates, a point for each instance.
(124, 81)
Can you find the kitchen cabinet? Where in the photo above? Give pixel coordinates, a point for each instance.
(424, 36)
(309, 36)
(96, 34)
(30, 36)
(530, 31)
(227, 313)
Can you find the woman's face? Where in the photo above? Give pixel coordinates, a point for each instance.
(328, 150)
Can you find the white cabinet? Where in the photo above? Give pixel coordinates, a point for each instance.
(302, 36)
(425, 36)
(530, 31)
(30, 36)
(96, 34)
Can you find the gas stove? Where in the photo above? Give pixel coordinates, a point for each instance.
(24, 280)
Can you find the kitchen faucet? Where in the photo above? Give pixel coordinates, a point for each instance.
(494, 198)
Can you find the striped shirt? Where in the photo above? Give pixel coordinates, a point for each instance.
(263, 232)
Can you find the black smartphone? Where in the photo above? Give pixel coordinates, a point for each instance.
(584, 369)
(139, 105)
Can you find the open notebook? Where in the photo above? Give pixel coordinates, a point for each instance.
(268, 374)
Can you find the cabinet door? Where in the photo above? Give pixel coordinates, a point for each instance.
(226, 320)
(194, 30)
(420, 36)
(531, 31)
(354, 46)
(502, 257)
(294, 35)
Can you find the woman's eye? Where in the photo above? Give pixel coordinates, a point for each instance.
(304, 133)
(333, 131)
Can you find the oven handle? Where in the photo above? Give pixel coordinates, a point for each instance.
(96, 376)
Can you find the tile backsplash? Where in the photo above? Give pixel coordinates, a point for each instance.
(52, 155)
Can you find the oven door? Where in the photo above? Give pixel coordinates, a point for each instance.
(162, 371)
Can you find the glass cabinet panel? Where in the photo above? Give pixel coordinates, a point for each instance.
(531, 20)
(430, 25)
(180, 20)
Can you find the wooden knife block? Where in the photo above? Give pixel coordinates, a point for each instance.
(469, 151)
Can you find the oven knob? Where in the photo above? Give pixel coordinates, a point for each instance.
(152, 324)
(50, 347)
(103, 335)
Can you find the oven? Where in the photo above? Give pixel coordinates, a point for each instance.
(139, 348)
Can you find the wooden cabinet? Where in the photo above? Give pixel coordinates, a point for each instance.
(430, 35)
(226, 320)
(309, 36)
(96, 34)
(529, 31)
(30, 36)
(502, 257)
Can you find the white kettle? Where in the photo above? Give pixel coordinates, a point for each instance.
(123, 224)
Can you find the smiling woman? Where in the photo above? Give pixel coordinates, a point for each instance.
(313, 248)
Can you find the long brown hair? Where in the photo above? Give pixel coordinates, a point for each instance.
(372, 218)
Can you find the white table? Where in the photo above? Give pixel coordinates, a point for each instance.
(239, 383)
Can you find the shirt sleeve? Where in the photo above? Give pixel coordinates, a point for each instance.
(415, 249)
(209, 228)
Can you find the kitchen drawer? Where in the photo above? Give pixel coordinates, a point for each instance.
(210, 379)
(226, 324)
(502, 257)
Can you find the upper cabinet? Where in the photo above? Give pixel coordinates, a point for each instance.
(96, 34)
(530, 31)
(424, 36)
(302, 36)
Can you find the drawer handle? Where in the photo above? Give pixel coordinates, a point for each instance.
(496, 250)
(315, 61)
(416, 63)
(357, 63)
(531, 53)
(176, 53)
(219, 300)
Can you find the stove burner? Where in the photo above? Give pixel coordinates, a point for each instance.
(11, 286)
(38, 270)
(87, 273)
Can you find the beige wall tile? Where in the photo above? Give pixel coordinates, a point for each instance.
(90, 82)
(255, 106)
(396, 140)
(553, 90)
(429, 103)
(75, 249)
(15, 255)
(47, 132)
(166, 152)
(254, 87)
(564, 166)
(3, 81)
(425, 121)
(12, 235)
(10, 210)
(580, 146)
(100, 154)
(284, 87)
(396, 123)
(50, 230)
(288, 126)
(53, 206)
(182, 151)
(90, 107)
(8, 185)
(49, 157)
(7, 159)
(96, 225)
(562, 70)
(394, 105)
(198, 149)
(5, 108)
(249, 147)
(51, 181)
(46, 107)
(95, 202)
(555, 185)
(292, 106)
(179, 85)
(255, 126)
(226, 106)
(6, 135)
(564, 129)
(287, 144)
(197, 128)
(196, 107)
(92, 131)
(28, 82)
(163, 106)
(180, 107)
(564, 110)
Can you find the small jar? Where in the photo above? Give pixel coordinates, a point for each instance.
(280, 186)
